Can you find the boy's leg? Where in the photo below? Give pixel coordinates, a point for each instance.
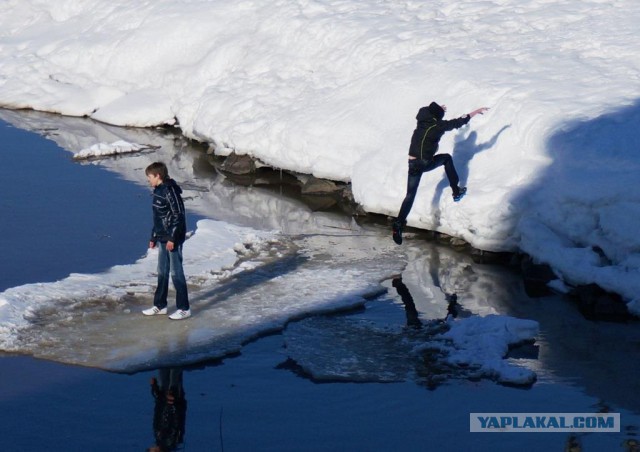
(413, 181)
(160, 297)
(164, 379)
(449, 168)
(179, 280)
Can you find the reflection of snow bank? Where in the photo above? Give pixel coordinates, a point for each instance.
(208, 255)
(205, 192)
(104, 149)
(634, 307)
(484, 342)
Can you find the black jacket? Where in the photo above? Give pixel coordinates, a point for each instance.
(429, 130)
(169, 219)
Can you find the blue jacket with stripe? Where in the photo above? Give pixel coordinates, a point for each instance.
(169, 218)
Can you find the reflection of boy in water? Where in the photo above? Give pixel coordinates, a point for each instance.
(170, 410)
(413, 317)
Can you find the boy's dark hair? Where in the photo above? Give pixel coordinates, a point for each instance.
(436, 110)
(158, 169)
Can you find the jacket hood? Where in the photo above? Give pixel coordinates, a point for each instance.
(169, 183)
(436, 110)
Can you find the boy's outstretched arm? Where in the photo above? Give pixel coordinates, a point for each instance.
(478, 111)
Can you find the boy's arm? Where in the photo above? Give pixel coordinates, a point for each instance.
(152, 239)
(459, 122)
(447, 125)
(177, 214)
(479, 111)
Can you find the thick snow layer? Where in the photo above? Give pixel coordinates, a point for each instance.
(331, 88)
(109, 149)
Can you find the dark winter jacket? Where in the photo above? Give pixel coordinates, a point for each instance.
(169, 219)
(429, 130)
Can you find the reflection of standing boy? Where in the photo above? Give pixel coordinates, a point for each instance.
(169, 231)
(170, 411)
(422, 157)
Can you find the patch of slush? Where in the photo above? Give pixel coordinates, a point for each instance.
(483, 343)
(244, 284)
(346, 349)
(209, 254)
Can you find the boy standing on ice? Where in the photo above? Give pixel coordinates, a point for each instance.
(168, 233)
(423, 158)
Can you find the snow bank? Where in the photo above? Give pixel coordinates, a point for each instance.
(331, 89)
(109, 149)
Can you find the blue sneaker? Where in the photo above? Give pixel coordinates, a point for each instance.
(461, 192)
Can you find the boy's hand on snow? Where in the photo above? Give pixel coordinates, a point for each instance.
(479, 111)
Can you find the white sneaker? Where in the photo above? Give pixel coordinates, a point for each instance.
(180, 314)
(155, 311)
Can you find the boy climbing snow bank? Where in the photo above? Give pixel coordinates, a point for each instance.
(422, 157)
(168, 234)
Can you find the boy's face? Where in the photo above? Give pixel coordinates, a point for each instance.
(154, 180)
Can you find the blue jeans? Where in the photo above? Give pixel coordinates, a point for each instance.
(170, 262)
(416, 168)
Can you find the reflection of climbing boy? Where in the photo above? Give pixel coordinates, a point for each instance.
(413, 318)
(169, 232)
(423, 158)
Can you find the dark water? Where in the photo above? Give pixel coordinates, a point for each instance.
(60, 216)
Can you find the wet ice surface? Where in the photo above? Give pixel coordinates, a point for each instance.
(344, 349)
(241, 306)
(440, 338)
